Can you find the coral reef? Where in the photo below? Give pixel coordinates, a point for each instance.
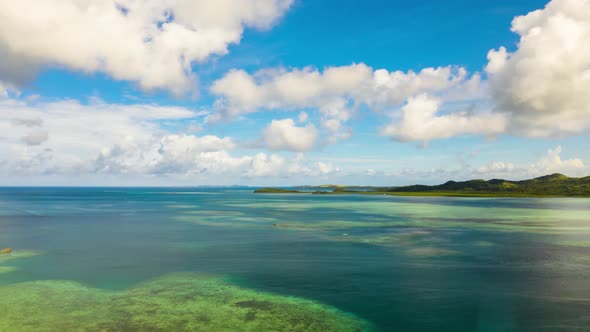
(178, 302)
(7, 269)
(432, 252)
(18, 254)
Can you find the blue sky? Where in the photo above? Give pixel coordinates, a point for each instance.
(288, 92)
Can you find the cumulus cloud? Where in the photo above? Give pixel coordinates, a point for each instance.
(6, 89)
(393, 88)
(33, 122)
(335, 114)
(302, 117)
(285, 135)
(189, 153)
(35, 137)
(240, 92)
(551, 162)
(496, 167)
(336, 92)
(188, 144)
(420, 122)
(324, 169)
(153, 43)
(543, 85)
(264, 165)
(329, 91)
(74, 133)
(69, 138)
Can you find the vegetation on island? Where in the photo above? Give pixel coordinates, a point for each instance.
(554, 185)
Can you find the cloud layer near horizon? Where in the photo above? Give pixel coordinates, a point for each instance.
(68, 137)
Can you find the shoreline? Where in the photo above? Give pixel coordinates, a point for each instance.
(553, 185)
(425, 194)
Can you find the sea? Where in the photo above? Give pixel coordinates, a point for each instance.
(205, 259)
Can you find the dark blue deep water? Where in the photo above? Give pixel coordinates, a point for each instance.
(401, 263)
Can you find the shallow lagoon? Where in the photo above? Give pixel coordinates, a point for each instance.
(348, 262)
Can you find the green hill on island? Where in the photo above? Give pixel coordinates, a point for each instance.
(548, 185)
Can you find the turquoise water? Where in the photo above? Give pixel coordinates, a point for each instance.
(394, 263)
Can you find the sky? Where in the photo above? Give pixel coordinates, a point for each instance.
(292, 92)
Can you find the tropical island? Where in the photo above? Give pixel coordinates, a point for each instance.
(554, 185)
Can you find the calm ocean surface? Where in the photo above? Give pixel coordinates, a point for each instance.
(398, 263)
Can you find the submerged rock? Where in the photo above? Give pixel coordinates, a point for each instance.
(180, 302)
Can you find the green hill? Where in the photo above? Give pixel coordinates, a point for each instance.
(548, 185)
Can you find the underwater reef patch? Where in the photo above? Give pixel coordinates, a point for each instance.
(178, 302)
(432, 252)
(15, 254)
(7, 269)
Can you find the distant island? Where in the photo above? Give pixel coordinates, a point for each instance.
(554, 185)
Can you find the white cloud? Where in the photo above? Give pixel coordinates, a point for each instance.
(35, 137)
(189, 144)
(393, 88)
(3, 90)
(496, 167)
(335, 114)
(324, 169)
(550, 163)
(496, 60)
(420, 122)
(189, 153)
(336, 92)
(153, 43)
(543, 85)
(33, 122)
(241, 93)
(263, 165)
(74, 134)
(285, 135)
(68, 138)
(6, 89)
(302, 117)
